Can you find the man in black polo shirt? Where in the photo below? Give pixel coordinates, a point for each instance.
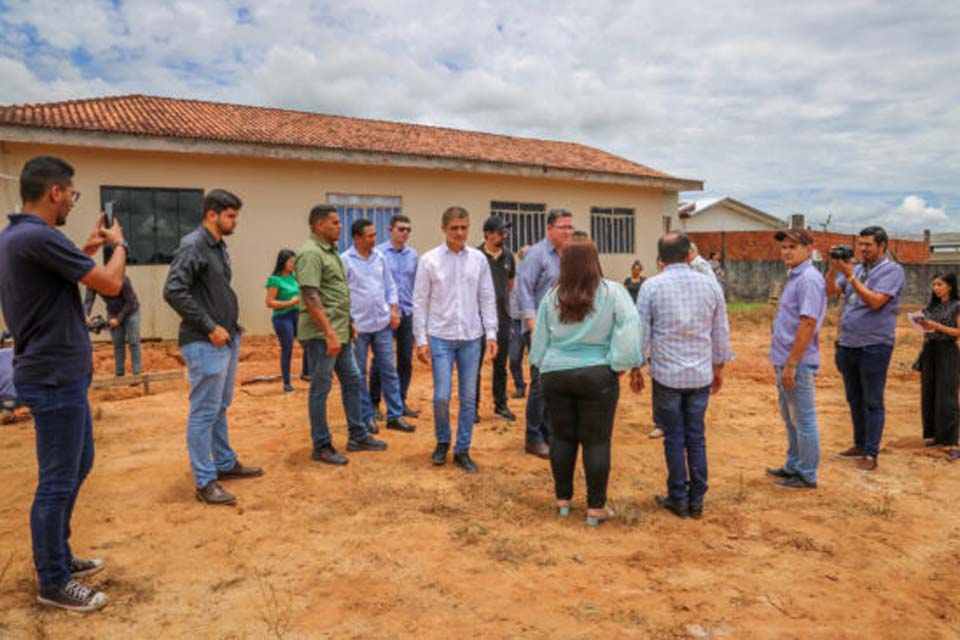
(503, 268)
(53, 363)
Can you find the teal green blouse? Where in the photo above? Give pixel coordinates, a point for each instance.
(608, 336)
(287, 289)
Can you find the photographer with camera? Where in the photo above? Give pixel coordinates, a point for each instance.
(123, 320)
(871, 292)
(53, 362)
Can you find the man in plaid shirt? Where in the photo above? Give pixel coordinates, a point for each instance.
(686, 341)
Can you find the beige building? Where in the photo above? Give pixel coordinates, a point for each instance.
(725, 214)
(154, 157)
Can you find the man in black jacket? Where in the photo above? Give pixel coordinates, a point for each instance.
(198, 289)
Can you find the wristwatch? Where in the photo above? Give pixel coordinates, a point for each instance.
(122, 244)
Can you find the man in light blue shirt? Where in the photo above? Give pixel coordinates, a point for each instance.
(402, 260)
(375, 313)
(795, 356)
(538, 272)
(686, 339)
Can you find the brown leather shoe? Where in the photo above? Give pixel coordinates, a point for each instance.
(213, 493)
(239, 471)
(867, 463)
(852, 452)
(539, 449)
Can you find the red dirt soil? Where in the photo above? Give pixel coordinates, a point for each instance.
(391, 546)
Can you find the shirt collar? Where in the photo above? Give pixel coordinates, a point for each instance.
(210, 239)
(353, 253)
(388, 246)
(463, 252)
(25, 217)
(676, 266)
(323, 244)
(799, 268)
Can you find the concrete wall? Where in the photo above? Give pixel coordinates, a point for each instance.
(278, 193)
(724, 218)
(752, 280)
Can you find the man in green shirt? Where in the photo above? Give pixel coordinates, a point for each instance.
(327, 335)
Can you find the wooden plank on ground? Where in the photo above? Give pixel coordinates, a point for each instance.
(141, 379)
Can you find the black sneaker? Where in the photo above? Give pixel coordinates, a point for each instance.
(679, 509)
(367, 444)
(519, 393)
(377, 414)
(73, 596)
(329, 455)
(795, 482)
(81, 567)
(399, 424)
(410, 413)
(372, 426)
(505, 413)
(779, 472)
(439, 456)
(463, 461)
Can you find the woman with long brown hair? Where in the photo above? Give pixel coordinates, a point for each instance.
(587, 333)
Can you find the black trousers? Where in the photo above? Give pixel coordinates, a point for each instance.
(581, 404)
(939, 380)
(499, 367)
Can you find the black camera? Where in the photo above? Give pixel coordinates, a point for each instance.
(842, 252)
(97, 324)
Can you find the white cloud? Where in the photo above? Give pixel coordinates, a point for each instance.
(819, 98)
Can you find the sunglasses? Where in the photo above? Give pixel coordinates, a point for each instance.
(402, 229)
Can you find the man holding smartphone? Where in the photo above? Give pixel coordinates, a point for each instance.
(53, 362)
(198, 288)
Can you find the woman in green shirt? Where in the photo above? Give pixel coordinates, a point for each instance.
(586, 334)
(283, 296)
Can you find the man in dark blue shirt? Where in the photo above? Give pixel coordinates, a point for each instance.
(39, 272)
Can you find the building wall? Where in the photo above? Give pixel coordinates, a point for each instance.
(724, 218)
(278, 193)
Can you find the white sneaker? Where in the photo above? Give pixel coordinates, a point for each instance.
(656, 433)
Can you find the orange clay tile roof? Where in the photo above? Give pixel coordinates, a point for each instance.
(193, 119)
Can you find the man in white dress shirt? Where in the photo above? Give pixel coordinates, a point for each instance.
(454, 309)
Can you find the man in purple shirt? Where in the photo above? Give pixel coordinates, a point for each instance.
(795, 356)
(871, 293)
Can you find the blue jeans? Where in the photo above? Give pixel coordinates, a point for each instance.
(321, 380)
(518, 342)
(466, 355)
(64, 429)
(212, 372)
(799, 412)
(864, 371)
(285, 326)
(404, 337)
(127, 331)
(382, 344)
(538, 429)
(679, 412)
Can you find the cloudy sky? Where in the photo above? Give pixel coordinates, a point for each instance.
(846, 109)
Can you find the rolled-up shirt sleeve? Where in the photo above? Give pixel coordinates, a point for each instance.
(525, 286)
(488, 301)
(720, 331)
(626, 341)
(421, 302)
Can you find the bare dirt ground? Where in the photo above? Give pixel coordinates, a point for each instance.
(390, 546)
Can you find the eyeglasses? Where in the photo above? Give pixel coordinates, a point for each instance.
(76, 196)
(563, 227)
(402, 229)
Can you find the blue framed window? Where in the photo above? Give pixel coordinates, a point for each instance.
(379, 209)
(529, 221)
(612, 229)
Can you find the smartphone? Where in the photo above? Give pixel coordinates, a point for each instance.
(108, 210)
